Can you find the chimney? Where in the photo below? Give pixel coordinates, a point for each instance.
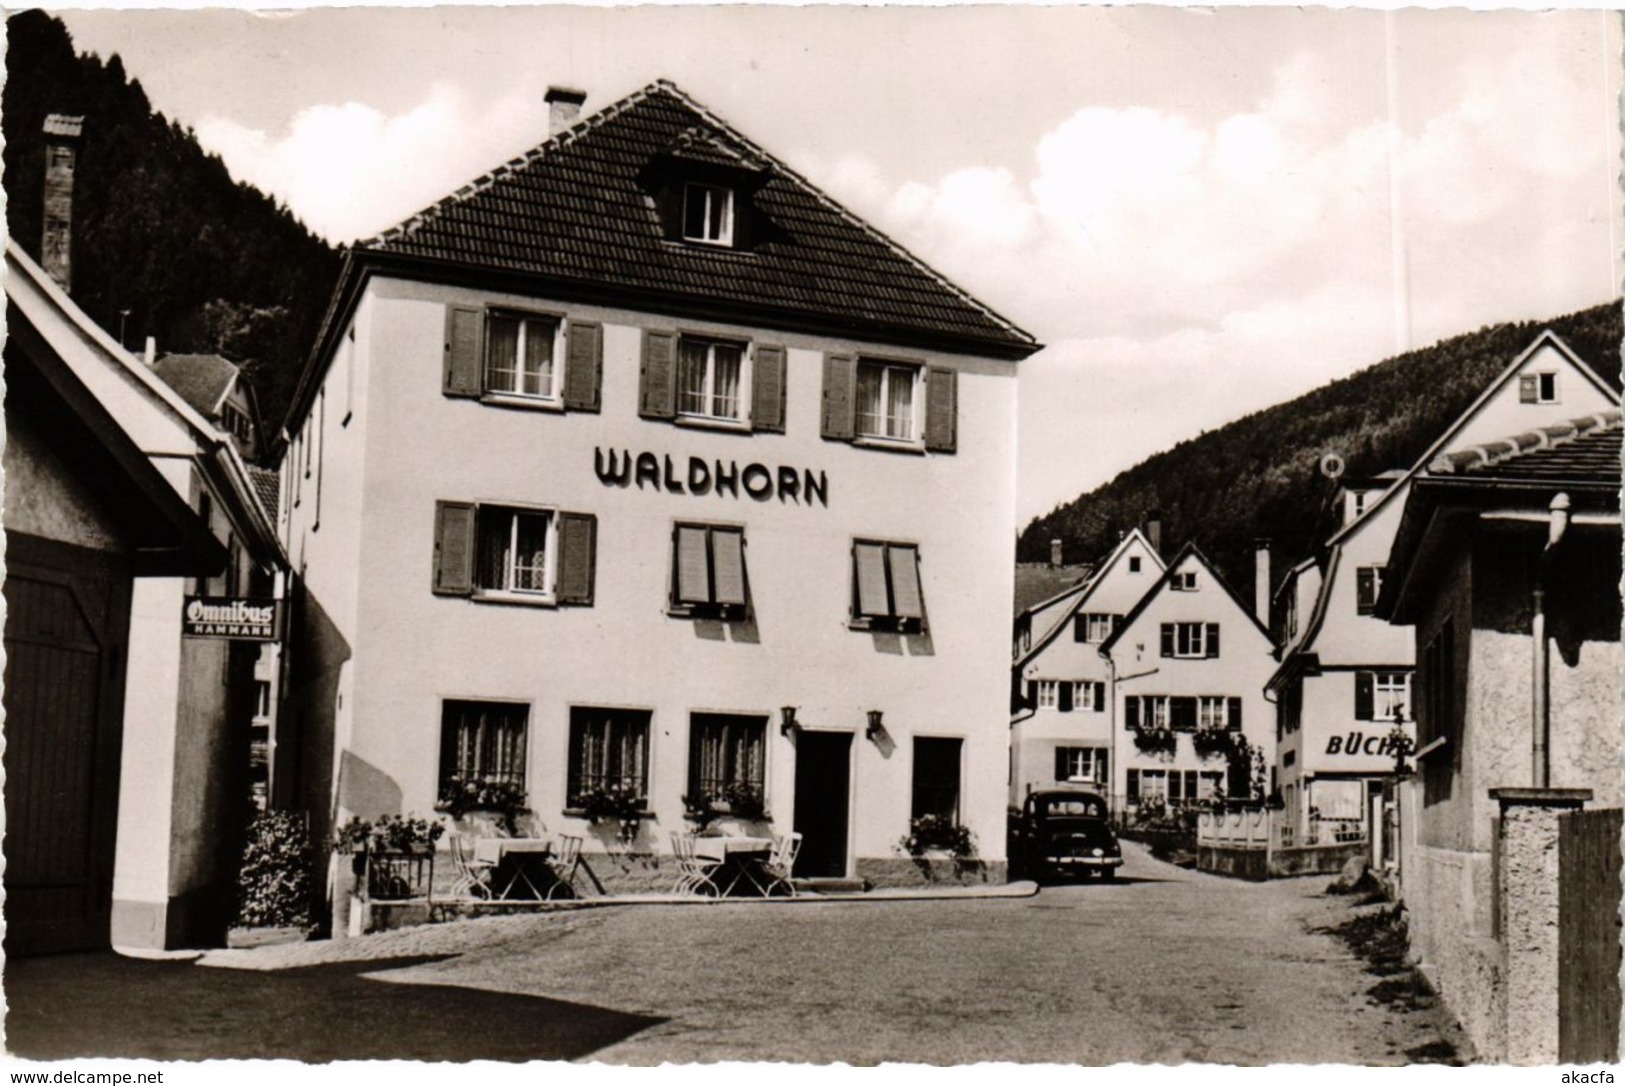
(150, 354)
(61, 156)
(1153, 531)
(1055, 553)
(1261, 580)
(563, 107)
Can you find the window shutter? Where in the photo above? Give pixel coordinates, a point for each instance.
(1032, 693)
(1133, 784)
(871, 563)
(657, 379)
(907, 601)
(584, 365)
(1080, 628)
(1167, 638)
(1065, 702)
(1233, 718)
(767, 380)
(1527, 389)
(1131, 712)
(1062, 766)
(453, 548)
(728, 556)
(1364, 695)
(578, 558)
(1364, 590)
(1098, 692)
(465, 335)
(1212, 640)
(693, 570)
(941, 409)
(840, 383)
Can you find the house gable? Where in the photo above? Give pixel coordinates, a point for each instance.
(1212, 599)
(1114, 589)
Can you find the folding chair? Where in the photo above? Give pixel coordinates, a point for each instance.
(693, 873)
(780, 866)
(473, 875)
(563, 863)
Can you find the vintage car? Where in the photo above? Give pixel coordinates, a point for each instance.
(1065, 832)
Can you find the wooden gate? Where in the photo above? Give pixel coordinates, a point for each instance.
(67, 621)
(1588, 996)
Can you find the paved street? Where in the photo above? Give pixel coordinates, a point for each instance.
(1164, 965)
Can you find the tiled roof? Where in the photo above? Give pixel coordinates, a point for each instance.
(580, 208)
(199, 379)
(1581, 450)
(1037, 582)
(268, 489)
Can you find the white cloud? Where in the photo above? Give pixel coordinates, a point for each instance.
(348, 170)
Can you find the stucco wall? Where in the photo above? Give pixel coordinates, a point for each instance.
(43, 498)
(411, 446)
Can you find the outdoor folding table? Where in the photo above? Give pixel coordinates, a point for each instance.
(520, 869)
(739, 862)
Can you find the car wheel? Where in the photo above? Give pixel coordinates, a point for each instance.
(1108, 873)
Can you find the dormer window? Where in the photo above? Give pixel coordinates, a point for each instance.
(708, 214)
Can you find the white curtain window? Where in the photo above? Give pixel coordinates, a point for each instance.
(514, 548)
(519, 355)
(608, 750)
(709, 374)
(1211, 712)
(885, 400)
(726, 750)
(1391, 693)
(483, 741)
(708, 214)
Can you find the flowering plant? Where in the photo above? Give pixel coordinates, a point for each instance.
(617, 801)
(1214, 742)
(1154, 740)
(390, 833)
(459, 795)
(740, 799)
(938, 831)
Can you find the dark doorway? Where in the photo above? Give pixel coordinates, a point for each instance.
(823, 788)
(67, 613)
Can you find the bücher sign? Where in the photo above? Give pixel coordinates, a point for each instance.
(235, 617)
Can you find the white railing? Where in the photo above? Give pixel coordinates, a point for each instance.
(1273, 830)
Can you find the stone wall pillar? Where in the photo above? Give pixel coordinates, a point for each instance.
(1528, 900)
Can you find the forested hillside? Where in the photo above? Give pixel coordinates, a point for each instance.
(160, 228)
(1258, 477)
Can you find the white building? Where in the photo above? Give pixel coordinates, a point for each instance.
(639, 466)
(1065, 732)
(1186, 664)
(1344, 678)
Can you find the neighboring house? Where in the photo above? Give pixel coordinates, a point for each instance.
(1189, 656)
(638, 466)
(1506, 566)
(125, 739)
(215, 389)
(1063, 732)
(1343, 683)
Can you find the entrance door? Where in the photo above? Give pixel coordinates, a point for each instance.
(823, 789)
(67, 613)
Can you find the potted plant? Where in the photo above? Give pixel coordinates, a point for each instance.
(938, 832)
(461, 795)
(740, 800)
(1212, 742)
(1155, 740)
(388, 853)
(613, 802)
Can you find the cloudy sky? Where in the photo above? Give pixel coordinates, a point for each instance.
(1200, 212)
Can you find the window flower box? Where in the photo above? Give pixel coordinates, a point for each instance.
(938, 833)
(1158, 741)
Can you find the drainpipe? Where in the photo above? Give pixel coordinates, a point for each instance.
(1541, 710)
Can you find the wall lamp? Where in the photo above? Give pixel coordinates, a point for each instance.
(787, 721)
(875, 726)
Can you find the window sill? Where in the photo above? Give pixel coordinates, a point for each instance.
(524, 403)
(518, 599)
(708, 422)
(886, 444)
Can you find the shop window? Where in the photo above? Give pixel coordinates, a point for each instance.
(936, 778)
(708, 571)
(609, 754)
(482, 741)
(727, 757)
(886, 592)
